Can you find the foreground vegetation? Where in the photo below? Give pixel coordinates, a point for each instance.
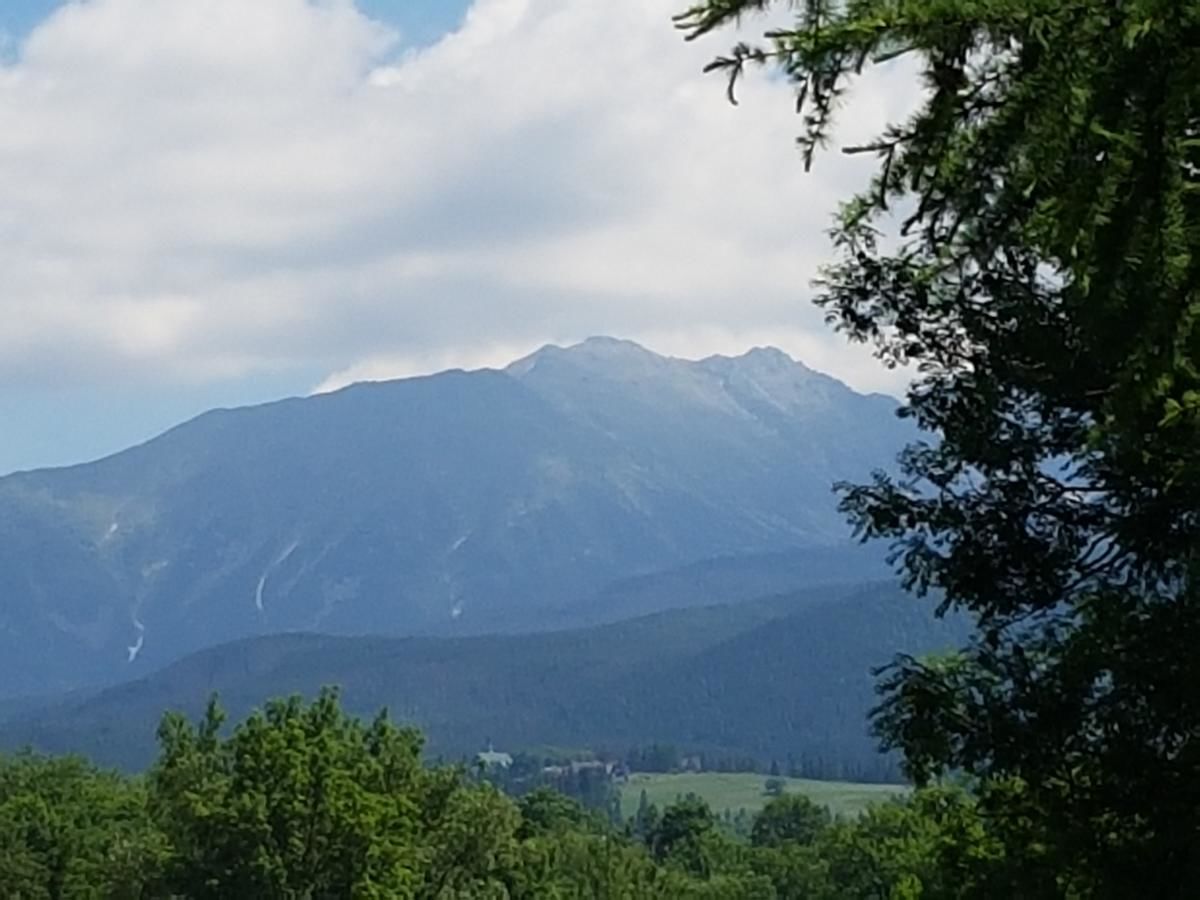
(302, 801)
(1029, 246)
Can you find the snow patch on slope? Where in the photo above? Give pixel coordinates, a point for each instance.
(262, 581)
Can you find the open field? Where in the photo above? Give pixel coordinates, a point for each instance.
(734, 791)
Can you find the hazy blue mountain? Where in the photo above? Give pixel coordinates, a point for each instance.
(769, 678)
(578, 485)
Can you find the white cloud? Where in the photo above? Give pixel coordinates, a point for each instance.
(204, 190)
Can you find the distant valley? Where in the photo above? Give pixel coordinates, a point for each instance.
(578, 486)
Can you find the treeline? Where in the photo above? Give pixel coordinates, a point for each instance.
(302, 801)
(738, 683)
(588, 781)
(661, 757)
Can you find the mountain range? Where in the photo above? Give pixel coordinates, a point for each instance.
(577, 486)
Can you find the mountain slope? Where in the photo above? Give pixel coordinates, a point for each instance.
(772, 677)
(466, 502)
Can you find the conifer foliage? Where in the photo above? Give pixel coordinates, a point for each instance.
(1028, 245)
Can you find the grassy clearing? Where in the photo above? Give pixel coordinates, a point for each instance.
(736, 791)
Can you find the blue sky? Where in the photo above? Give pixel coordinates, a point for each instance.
(220, 202)
(420, 21)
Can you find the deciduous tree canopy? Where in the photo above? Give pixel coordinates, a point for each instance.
(301, 802)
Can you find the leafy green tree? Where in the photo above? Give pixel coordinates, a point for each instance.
(743, 885)
(569, 863)
(473, 844)
(796, 870)
(935, 845)
(546, 811)
(687, 839)
(68, 830)
(684, 824)
(789, 819)
(1029, 245)
(299, 801)
(646, 819)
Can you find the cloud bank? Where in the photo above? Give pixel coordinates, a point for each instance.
(198, 191)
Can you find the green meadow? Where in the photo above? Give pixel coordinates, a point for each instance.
(734, 791)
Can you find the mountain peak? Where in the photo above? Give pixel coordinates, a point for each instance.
(760, 358)
(597, 349)
(600, 343)
(602, 348)
(769, 355)
(715, 382)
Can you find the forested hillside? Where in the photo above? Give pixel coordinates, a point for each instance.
(778, 678)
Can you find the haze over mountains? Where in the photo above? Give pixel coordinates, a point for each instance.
(578, 485)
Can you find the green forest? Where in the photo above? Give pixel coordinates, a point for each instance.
(301, 800)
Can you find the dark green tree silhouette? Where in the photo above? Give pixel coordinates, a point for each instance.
(789, 819)
(1029, 245)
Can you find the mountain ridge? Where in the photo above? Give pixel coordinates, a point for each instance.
(459, 502)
